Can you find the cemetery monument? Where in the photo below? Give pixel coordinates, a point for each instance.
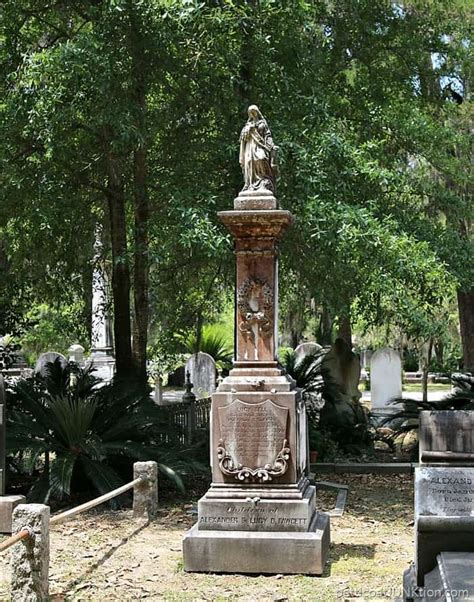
(444, 509)
(259, 514)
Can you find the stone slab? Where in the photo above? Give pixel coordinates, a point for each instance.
(444, 491)
(447, 436)
(263, 515)
(7, 504)
(258, 552)
(453, 577)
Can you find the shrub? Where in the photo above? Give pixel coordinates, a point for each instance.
(88, 436)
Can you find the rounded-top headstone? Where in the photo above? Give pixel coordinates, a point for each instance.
(385, 377)
(202, 370)
(76, 353)
(305, 349)
(47, 358)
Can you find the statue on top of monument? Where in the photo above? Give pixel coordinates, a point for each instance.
(258, 153)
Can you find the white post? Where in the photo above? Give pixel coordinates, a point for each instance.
(30, 557)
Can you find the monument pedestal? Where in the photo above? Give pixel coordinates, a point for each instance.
(274, 552)
(259, 515)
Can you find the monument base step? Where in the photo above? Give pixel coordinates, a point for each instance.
(258, 552)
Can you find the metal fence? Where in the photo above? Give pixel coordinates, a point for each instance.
(186, 420)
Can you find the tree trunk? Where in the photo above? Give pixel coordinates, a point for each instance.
(120, 267)
(466, 322)
(140, 200)
(324, 334)
(345, 329)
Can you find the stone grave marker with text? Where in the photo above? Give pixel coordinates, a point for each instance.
(444, 503)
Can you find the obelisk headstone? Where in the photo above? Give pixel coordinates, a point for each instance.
(259, 515)
(101, 338)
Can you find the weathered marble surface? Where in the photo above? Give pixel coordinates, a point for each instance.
(282, 552)
(444, 491)
(203, 374)
(385, 377)
(447, 437)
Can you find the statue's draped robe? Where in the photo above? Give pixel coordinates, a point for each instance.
(256, 148)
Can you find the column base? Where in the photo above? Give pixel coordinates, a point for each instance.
(259, 552)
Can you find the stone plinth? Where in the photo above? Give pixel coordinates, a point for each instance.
(8, 503)
(259, 515)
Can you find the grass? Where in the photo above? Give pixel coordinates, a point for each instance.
(106, 555)
(416, 387)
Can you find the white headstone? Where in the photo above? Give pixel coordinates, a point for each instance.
(305, 349)
(385, 377)
(76, 354)
(46, 358)
(202, 369)
(159, 391)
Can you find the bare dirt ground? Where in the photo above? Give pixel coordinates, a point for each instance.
(106, 555)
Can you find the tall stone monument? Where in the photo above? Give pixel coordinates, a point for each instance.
(102, 344)
(259, 514)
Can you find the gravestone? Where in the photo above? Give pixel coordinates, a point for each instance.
(385, 377)
(259, 514)
(444, 502)
(46, 358)
(7, 502)
(76, 354)
(203, 374)
(101, 337)
(305, 349)
(447, 437)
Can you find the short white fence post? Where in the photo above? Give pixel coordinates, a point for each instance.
(30, 557)
(145, 493)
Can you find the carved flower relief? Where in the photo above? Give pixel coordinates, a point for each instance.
(255, 303)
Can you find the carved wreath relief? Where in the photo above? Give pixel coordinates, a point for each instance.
(255, 304)
(244, 473)
(253, 444)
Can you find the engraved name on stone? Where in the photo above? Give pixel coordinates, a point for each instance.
(445, 491)
(253, 433)
(253, 520)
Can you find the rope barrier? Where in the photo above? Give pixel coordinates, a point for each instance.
(59, 518)
(23, 534)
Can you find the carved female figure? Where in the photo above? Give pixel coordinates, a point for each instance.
(257, 153)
